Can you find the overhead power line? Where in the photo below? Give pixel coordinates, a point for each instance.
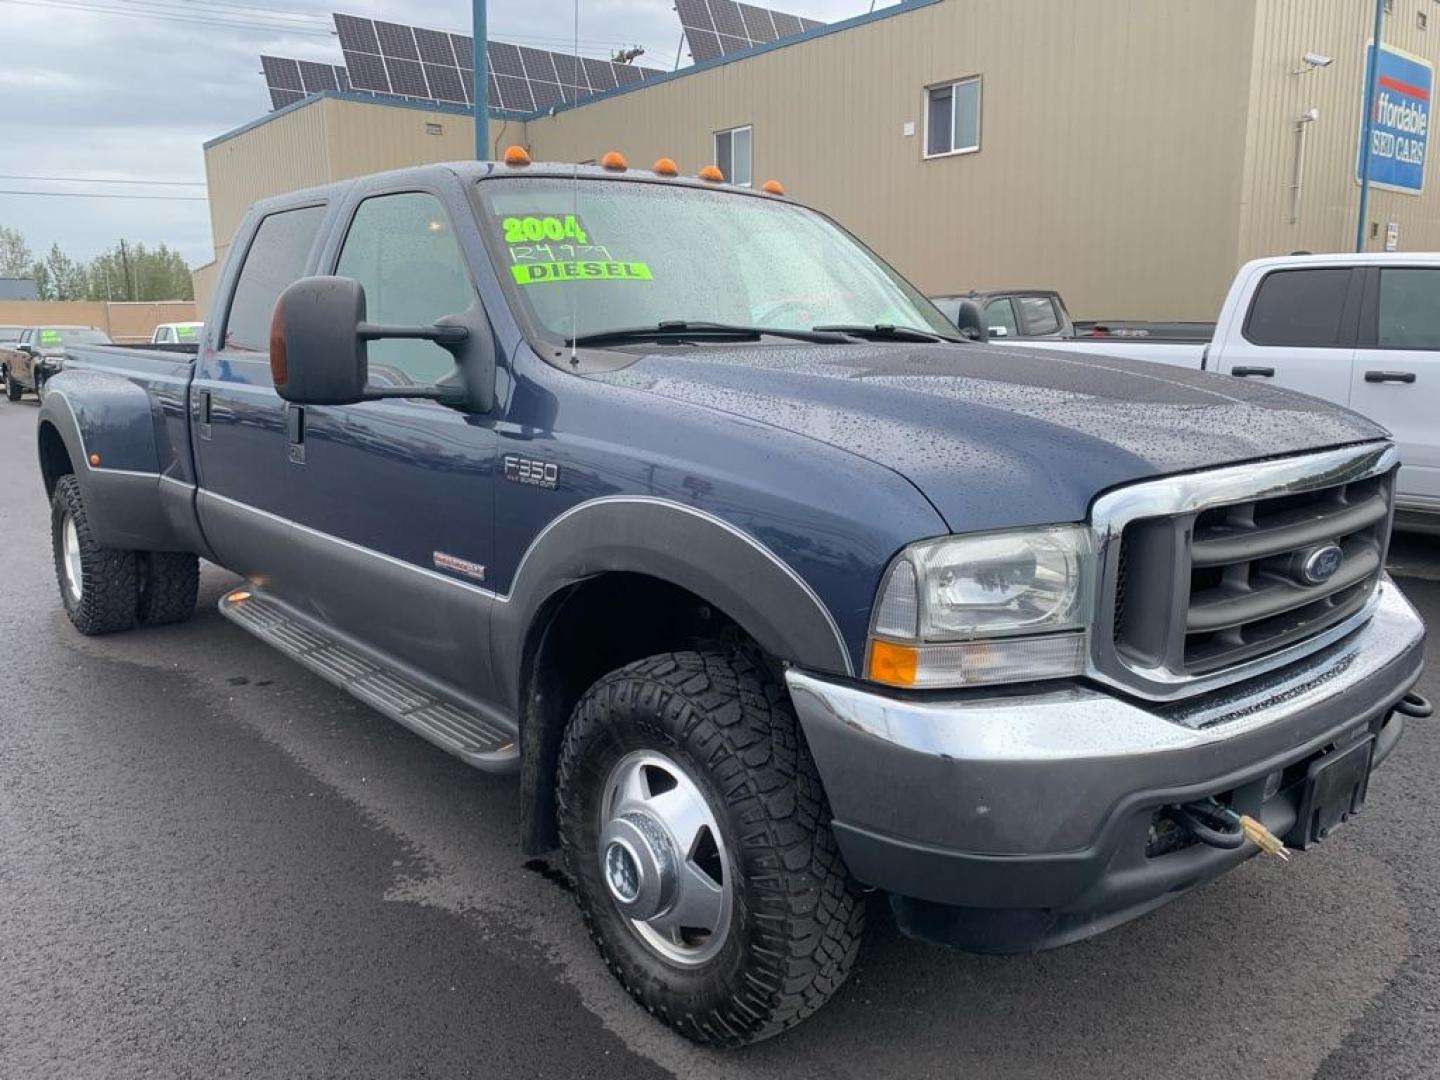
(107, 180)
(208, 14)
(104, 195)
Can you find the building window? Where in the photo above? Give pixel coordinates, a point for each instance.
(732, 154)
(952, 118)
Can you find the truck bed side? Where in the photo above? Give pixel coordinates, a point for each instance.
(118, 418)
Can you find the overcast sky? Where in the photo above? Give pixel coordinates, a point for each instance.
(86, 93)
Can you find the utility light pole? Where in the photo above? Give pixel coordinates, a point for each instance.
(482, 84)
(1367, 130)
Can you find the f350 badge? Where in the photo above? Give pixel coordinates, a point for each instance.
(542, 474)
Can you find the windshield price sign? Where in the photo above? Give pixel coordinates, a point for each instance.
(1400, 124)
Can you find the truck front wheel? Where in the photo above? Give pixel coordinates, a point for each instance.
(696, 832)
(99, 586)
(12, 388)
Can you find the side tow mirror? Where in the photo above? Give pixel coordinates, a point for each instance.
(971, 322)
(320, 347)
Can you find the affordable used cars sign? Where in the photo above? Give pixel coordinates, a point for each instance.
(1400, 125)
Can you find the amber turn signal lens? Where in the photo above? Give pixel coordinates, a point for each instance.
(666, 167)
(773, 187)
(711, 173)
(516, 155)
(893, 664)
(613, 159)
(238, 596)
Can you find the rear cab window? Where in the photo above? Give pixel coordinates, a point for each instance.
(1039, 315)
(277, 258)
(1299, 308)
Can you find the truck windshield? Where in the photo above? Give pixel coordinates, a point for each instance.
(70, 335)
(583, 258)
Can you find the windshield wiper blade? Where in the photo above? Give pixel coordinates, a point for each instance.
(885, 332)
(690, 330)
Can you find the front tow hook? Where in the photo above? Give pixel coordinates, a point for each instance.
(1416, 706)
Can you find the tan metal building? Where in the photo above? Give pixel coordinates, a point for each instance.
(1131, 153)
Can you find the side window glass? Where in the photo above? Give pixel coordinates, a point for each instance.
(1001, 313)
(1299, 308)
(402, 250)
(1409, 309)
(1039, 312)
(276, 259)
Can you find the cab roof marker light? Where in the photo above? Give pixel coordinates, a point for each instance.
(517, 156)
(773, 187)
(614, 161)
(666, 167)
(712, 174)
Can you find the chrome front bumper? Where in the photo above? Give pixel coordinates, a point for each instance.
(1028, 798)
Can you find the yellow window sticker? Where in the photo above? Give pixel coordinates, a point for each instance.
(530, 230)
(546, 272)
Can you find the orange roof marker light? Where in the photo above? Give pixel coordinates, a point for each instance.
(666, 167)
(517, 156)
(712, 174)
(614, 160)
(773, 187)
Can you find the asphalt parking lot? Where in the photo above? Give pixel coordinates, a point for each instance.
(213, 864)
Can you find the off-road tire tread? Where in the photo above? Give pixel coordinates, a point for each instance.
(13, 390)
(109, 577)
(807, 915)
(169, 585)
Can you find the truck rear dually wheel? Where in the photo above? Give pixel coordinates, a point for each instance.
(696, 832)
(169, 583)
(99, 586)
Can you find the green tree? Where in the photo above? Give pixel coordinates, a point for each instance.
(15, 257)
(68, 279)
(43, 288)
(136, 272)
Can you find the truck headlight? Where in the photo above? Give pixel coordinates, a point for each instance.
(986, 608)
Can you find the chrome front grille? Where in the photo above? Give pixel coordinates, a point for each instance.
(1209, 577)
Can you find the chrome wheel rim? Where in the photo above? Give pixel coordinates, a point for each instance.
(70, 541)
(663, 860)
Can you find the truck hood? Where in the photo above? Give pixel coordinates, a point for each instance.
(1000, 437)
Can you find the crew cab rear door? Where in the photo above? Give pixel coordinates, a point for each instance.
(1396, 379)
(1298, 330)
(248, 494)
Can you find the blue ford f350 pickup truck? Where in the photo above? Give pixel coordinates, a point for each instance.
(676, 500)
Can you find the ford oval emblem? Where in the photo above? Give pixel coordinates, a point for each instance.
(1320, 564)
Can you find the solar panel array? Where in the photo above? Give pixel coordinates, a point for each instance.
(434, 65)
(715, 28)
(290, 81)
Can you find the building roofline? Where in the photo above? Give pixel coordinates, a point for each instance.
(900, 8)
(851, 23)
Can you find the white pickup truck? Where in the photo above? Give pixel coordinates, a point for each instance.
(1361, 330)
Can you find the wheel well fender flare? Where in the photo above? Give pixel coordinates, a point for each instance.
(687, 547)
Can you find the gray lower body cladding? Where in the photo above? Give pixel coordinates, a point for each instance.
(1007, 823)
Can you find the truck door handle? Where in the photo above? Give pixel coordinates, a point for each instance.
(1245, 372)
(203, 420)
(1390, 376)
(295, 431)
